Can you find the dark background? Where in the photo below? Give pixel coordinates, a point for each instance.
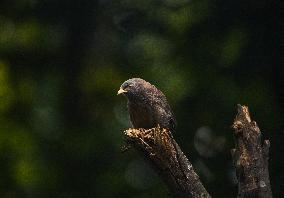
(62, 62)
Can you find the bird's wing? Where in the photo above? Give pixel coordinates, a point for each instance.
(166, 116)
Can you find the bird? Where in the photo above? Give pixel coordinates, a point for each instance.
(147, 106)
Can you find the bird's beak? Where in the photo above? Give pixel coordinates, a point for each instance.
(120, 91)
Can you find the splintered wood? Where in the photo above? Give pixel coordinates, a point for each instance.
(162, 152)
(153, 140)
(250, 157)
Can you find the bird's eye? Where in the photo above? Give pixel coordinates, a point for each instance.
(127, 85)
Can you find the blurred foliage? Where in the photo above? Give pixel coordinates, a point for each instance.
(62, 62)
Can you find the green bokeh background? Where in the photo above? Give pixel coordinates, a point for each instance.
(62, 62)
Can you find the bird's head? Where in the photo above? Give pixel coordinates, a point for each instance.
(134, 88)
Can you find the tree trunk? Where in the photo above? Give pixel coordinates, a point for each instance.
(166, 157)
(250, 157)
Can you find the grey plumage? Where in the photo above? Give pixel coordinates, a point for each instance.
(147, 105)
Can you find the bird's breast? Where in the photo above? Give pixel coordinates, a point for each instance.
(141, 115)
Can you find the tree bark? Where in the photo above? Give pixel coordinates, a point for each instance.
(166, 157)
(250, 157)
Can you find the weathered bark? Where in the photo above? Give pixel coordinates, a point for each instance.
(250, 157)
(165, 155)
